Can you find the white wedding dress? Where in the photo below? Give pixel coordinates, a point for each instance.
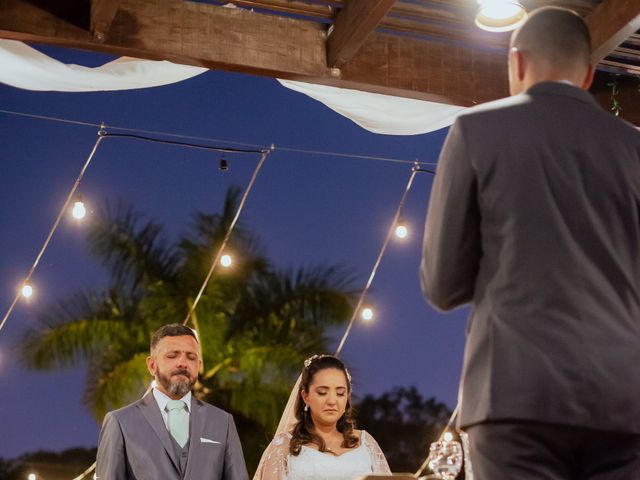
(310, 464)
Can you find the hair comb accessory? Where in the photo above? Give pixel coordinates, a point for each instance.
(310, 360)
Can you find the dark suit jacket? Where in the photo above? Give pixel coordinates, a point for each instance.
(534, 217)
(135, 444)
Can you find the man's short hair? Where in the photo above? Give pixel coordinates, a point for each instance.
(556, 35)
(171, 330)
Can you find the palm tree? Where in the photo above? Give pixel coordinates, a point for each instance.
(256, 324)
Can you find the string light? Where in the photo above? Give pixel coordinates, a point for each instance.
(401, 229)
(61, 213)
(220, 140)
(367, 313)
(227, 235)
(226, 260)
(416, 168)
(79, 211)
(27, 290)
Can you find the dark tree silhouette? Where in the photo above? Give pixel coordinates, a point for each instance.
(404, 424)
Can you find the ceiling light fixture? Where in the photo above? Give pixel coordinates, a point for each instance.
(500, 15)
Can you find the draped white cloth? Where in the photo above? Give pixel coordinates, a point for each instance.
(381, 113)
(27, 68)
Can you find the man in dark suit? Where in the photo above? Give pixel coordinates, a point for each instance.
(534, 218)
(169, 434)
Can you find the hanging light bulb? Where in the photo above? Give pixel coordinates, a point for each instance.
(226, 260)
(367, 313)
(500, 15)
(27, 290)
(31, 476)
(79, 211)
(401, 229)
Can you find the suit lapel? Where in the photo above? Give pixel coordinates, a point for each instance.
(151, 412)
(196, 427)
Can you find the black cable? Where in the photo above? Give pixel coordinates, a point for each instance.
(182, 144)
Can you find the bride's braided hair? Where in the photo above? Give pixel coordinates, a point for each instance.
(302, 433)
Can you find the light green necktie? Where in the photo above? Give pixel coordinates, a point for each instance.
(178, 421)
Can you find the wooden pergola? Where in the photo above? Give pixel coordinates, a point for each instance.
(424, 49)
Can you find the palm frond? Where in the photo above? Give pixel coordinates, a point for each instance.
(110, 388)
(134, 250)
(262, 381)
(285, 307)
(199, 246)
(69, 344)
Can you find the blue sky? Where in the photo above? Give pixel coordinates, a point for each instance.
(307, 209)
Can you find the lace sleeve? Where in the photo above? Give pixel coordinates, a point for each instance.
(274, 462)
(379, 463)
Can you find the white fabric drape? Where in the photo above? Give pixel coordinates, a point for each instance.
(27, 68)
(381, 113)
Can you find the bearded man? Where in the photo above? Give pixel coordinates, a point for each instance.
(169, 434)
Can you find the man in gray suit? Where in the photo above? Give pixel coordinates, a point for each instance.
(534, 218)
(169, 434)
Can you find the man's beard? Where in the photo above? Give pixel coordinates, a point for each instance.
(176, 387)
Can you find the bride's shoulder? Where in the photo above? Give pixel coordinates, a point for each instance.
(366, 437)
(281, 439)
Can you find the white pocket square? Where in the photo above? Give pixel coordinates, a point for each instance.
(206, 440)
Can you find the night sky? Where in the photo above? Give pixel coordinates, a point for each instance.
(307, 209)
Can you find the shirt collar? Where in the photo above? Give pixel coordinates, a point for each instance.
(162, 399)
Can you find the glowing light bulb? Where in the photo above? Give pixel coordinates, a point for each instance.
(448, 436)
(226, 261)
(500, 15)
(402, 231)
(27, 290)
(31, 476)
(79, 211)
(367, 313)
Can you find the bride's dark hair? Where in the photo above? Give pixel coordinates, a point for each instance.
(303, 431)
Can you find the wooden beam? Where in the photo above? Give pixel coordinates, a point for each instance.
(239, 40)
(102, 14)
(354, 23)
(454, 74)
(610, 23)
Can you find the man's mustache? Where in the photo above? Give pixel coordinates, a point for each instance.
(181, 372)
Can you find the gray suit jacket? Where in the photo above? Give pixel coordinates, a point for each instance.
(534, 218)
(135, 444)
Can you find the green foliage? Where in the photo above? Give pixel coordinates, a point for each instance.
(49, 465)
(404, 424)
(256, 324)
(616, 108)
(7, 468)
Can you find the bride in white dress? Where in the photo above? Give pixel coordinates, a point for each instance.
(323, 444)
